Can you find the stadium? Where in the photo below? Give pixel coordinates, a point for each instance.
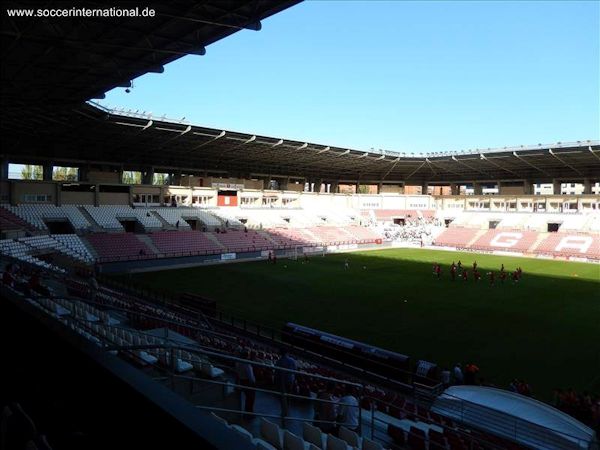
(168, 284)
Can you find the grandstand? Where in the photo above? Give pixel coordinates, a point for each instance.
(118, 270)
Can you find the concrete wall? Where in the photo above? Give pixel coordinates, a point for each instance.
(22, 188)
(113, 198)
(96, 176)
(77, 198)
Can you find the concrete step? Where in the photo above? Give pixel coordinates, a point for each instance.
(477, 236)
(267, 236)
(541, 237)
(95, 225)
(146, 240)
(166, 225)
(213, 238)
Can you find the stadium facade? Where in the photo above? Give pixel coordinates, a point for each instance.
(140, 192)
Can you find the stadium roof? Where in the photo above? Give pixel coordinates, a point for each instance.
(52, 66)
(58, 61)
(515, 417)
(134, 141)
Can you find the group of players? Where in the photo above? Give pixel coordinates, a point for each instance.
(458, 270)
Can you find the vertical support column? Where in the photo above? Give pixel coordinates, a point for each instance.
(424, 188)
(356, 187)
(177, 178)
(454, 189)
(4, 169)
(97, 194)
(527, 187)
(556, 188)
(379, 187)
(477, 189)
(47, 172)
(58, 194)
(148, 176)
(587, 186)
(334, 187)
(84, 173)
(319, 185)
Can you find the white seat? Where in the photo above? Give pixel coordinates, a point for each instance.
(271, 433)
(314, 435)
(211, 371)
(292, 442)
(334, 443)
(218, 418)
(349, 436)
(368, 444)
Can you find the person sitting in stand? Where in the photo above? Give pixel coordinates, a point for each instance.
(349, 410)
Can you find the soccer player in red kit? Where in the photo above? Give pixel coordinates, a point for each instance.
(465, 275)
(502, 276)
(438, 271)
(492, 278)
(453, 271)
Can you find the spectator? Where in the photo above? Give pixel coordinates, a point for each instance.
(327, 409)
(471, 371)
(348, 410)
(93, 288)
(458, 373)
(445, 377)
(7, 276)
(246, 378)
(285, 380)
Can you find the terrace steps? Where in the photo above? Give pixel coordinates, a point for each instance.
(213, 238)
(541, 238)
(95, 225)
(146, 240)
(166, 225)
(476, 237)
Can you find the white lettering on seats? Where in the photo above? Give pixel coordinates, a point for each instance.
(581, 243)
(506, 239)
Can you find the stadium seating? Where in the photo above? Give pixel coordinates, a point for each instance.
(184, 242)
(240, 241)
(570, 244)
(22, 252)
(10, 221)
(114, 246)
(35, 215)
(515, 241)
(108, 216)
(583, 245)
(180, 214)
(456, 237)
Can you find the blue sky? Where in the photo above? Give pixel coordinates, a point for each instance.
(405, 76)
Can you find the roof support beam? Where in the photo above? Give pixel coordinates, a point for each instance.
(482, 156)
(516, 155)
(567, 165)
(468, 166)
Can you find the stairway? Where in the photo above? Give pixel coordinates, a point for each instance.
(146, 240)
(213, 238)
(95, 225)
(268, 237)
(89, 246)
(166, 225)
(477, 236)
(311, 235)
(541, 237)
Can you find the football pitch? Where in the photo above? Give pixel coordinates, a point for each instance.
(544, 329)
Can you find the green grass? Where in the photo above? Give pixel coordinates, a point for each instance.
(545, 329)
